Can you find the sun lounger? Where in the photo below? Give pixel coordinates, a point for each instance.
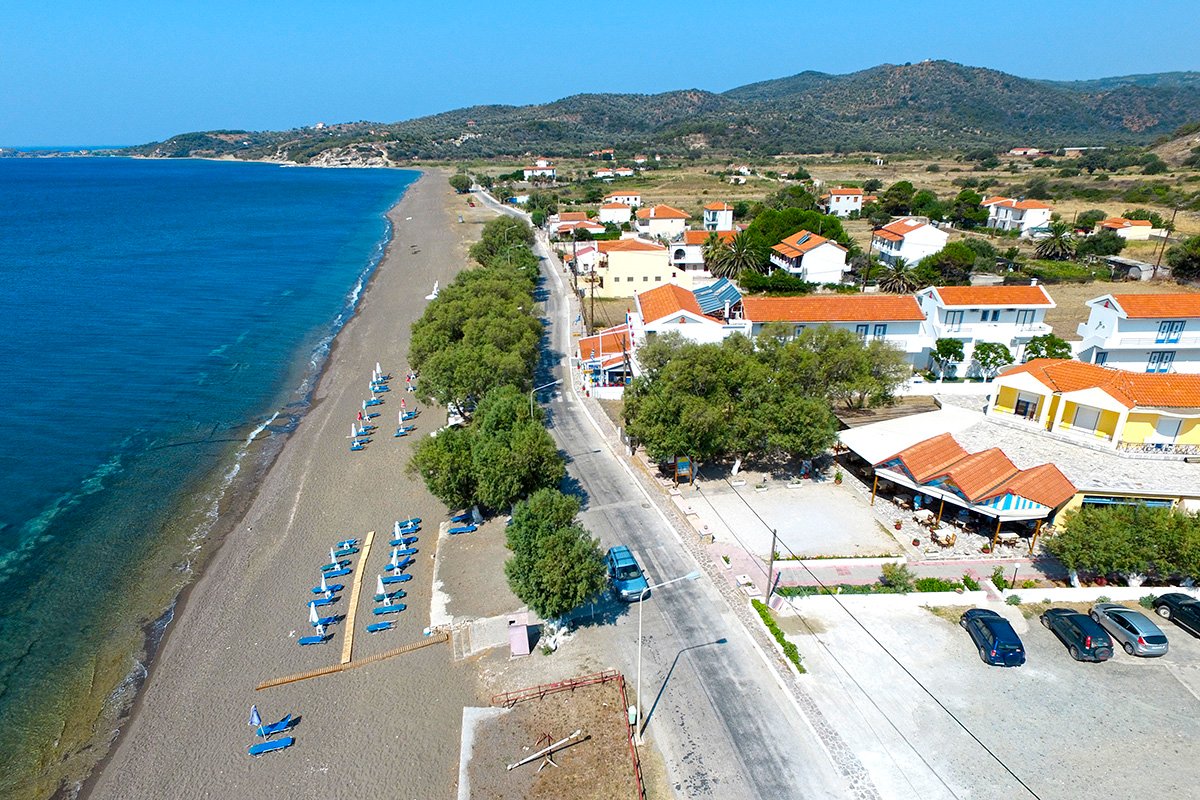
(376, 627)
(337, 573)
(464, 529)
(322, 601)
(306, 640)
(395, 608)
(463, 517)
(379, 388)
(325, 621)
(406, 530)
(333, 587)
(407, 415)
(262, 748)
(356, 446)
(347, 543)
(267, 731)
(372, 415)
(389, 579)
(343, 562)
(346, 551)
(374, 401)
(364, 440)
(405, 551)
(399, 433)
(399, 565)
(405, 523)
(403, 542)
(379, 598)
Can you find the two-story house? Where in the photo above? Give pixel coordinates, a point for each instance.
(542, 168)
(842, 202)
(602, 172)
(1112, 408)
(625, 198)
(1010, 315)
(614, 213)
(1007, 214)
(896, 319)
(811, 258)
(627, 266)
(910, 238)
(661, 222)
(1143, 332)
(718, 217)
(687, 250)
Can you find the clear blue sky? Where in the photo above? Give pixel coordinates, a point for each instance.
(120, 72)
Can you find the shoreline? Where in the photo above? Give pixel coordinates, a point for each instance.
(298, 401)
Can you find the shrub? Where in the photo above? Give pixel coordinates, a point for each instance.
(1029, 584)
(970, 583)
(998, 578)
(897, 577)
(1103, 599)
(789, 649)
(1013, 600)
(936, 585)
(1146, 601)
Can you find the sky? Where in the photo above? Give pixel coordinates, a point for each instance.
(112, 72)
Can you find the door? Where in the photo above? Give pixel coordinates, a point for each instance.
(1086, 418)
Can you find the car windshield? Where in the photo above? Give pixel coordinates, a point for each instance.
(628, 572)
(1007, 647)
(1155, 639)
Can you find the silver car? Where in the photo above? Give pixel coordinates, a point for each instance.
(1137, 634)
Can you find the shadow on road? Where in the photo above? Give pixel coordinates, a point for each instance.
(667, 678)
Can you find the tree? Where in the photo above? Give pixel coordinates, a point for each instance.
(1088, 219)
(742, 253)
(1059, 244)
(460, 183)
(992, 357)
(1132, 541)
(1184, 259)
(712, 249)
(950, 266)
(898, 278)
(1047, 346)
(872, 185)
(966, 211)
(946, 352)
(556, 566)
(1155, 219)
(794, 196)
(770, 227)
(926, 204)
(898, 197)
(444, 462)
(1104, 243)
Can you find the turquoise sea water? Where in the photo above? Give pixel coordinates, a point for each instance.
(157, 317)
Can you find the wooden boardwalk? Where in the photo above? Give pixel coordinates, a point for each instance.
(348, 643)
(434, 638)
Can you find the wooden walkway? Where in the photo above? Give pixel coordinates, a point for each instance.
(435, 638)
(348, 644)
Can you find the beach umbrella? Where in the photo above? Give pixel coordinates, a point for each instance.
(378, 369)
(353, 431)
(332, 556)
(379, 585)
(312, 615)
(395, 558)
(255, 719)
(324, 585)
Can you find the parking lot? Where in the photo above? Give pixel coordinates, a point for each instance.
(1123, 728)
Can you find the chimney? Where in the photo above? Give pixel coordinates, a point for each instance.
(1033, 281)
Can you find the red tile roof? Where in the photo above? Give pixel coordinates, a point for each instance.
(840, 190)
(614, 206)
(931, 457)
(1154, 306)
(800, 243)
(978, 473)
(661, 212)
(955, 296)
(629, 246)
(573, 216)
(1117, 223)
(700, 237)
(586, 225)
(1043, 484)
(665, 300)
(833, 308)
(895, 231)
(610, 340)
(1131, 389)
(1024, 205)
(718, 207)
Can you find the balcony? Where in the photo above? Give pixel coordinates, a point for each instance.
(1149, 341)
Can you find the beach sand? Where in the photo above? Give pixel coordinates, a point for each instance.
(387, 729)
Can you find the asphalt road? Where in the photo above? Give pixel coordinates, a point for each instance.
(712, 706)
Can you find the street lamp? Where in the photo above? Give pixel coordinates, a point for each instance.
(539, 388)
(637, 718)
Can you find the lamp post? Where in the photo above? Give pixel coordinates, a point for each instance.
(538, 388)
(691, 576)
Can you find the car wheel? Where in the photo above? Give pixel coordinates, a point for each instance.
(1074, 651)
(983, 655)
(962, 623)
(1129, 648)
(1045, 623)
(1164, 612)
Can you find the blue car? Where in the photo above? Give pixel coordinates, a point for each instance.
(998, 643)
(628, 582)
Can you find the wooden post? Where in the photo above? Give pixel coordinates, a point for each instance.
(941, 508)
(1037, 529)
(996, 537)
(874, 488)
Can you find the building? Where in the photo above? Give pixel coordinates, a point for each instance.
(539, 171)
(718, 217)
(568, 229)
(582, 257)
(606, 358)
(811, 258)
(1010, 315)
(1143, 332)
(1102, 407)
(661, 222)
(896, 319)
(699, 316)
(687, 251)
(909, 238)
(623, 172)
(542, 162)
(628, 266)
(1027, 152)
(1007, 214)
(564, 219)
(626, 198)
(640, 159)
(615, 213)
(842, 202)
(1134, 230)
(602, 172)
(606, 153)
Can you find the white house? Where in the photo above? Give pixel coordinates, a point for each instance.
(699, 316)
(542, 162)
(623, 172)
(1143, 332)
(909, 238)
(615, 213)
(565, 219)
(718, 217)
(687, 250)
(842, 202)
(585, 255)
(811, 258)
(1010, 315)
(536, 171)
(1007, 214)
(1027, 152)
(602, 172)
(567, 229)
(894, 318)
(661, 221)
(625, 198)
(1133, 230)
(640, 159)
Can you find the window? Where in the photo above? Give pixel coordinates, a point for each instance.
(645, 279)
(1169, 332)
(658, 278)
(989, 316)
(1101, 358)
(861, 330)
(954, 320)
(880, 331)
(1160, 361)
(1025, 318)
(797, 330)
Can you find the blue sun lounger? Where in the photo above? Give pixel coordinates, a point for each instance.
(372, 415)
(464, 529)
(322, 601)
(407, 415)
(376, 627)
(390, 579)
(347, 543)
(344, 562)
(262, 748)
(399, 565)
(355, 446)
(306, 640)
(379, 598)
(374, 401)
(395, 608)
(333, 587)
(337, 573)
(463, 517)
(363, 440)
(403, 542)
(266, 731)
(405, 523)
(405, 551)
(326, 621)
(400, 432)
(379, 388)
(346, 551)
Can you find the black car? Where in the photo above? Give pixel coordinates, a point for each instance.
(1083, 636)
(1180, 608)
(998, 643)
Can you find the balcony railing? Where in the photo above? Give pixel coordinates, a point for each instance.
(1159, 449)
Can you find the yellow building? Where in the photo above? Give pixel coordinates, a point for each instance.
(1111, 408)
(630, 266)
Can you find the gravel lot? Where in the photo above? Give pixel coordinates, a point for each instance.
(1055, 723)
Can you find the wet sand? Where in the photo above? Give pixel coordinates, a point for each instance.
(387, 729)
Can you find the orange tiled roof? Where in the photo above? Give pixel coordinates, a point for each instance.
(953, 296)
(840, 190)
(629, 246)
(661, 212)
(573, 216)
(980, 472)
(1152, 306)
(929, 458)
(1131, 389)
(1024, 205)
(1043, 484)
(663, 301)
(586, 224)
(614, 206)
(1116, 223)
(833, 308)
(800, 243)
(718, 207)
(610, 340)
(895, 231)
(700, 237)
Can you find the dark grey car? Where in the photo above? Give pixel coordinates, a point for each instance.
(1136, 633)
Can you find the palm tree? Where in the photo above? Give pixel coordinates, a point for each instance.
(713, 248)
(741, 254)
(899, 278)
(1059, 245)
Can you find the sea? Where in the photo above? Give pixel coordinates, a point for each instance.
(163, 324)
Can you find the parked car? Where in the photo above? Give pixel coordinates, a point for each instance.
(628, 582)
(1083, 636)
(1137, 634)
(998, 643)
(1180, 608)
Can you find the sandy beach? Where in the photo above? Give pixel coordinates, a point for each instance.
(387, 729)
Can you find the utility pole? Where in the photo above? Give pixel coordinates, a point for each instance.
(1166, 238)
(771, 565)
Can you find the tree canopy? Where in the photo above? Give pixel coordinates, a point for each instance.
(992, 357)
(460, 182)
(771, 227)
(1130, 540)
(950, 266)
(1047, 346)
(1184, 259)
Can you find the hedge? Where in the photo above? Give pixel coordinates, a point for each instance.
(789, 649)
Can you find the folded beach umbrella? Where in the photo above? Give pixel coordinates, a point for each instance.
(324, 585)
(312, 615)
(379, 585)
(255, 719)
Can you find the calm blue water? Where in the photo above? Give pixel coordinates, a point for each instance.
(155, 315)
